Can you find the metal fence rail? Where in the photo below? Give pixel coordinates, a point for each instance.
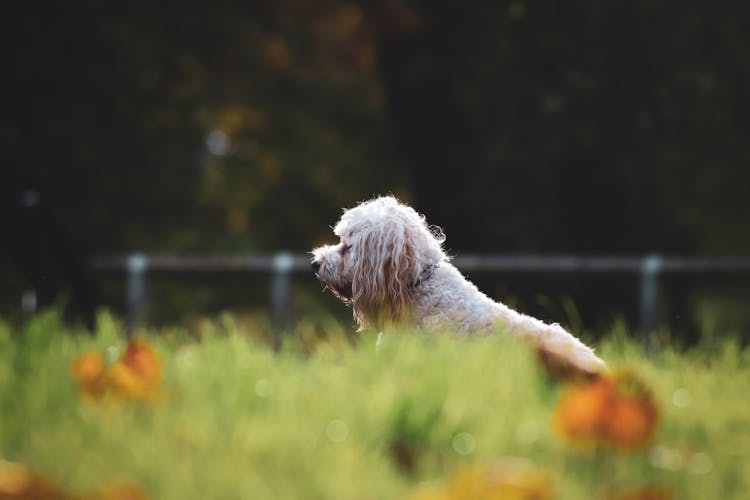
(601, 264)
(282, 265)
(468, 263)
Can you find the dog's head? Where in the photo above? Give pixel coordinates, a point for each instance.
(384, 247)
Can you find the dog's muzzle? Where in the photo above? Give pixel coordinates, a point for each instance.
(341, 290)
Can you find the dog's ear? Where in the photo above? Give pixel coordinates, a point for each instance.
(384, 275)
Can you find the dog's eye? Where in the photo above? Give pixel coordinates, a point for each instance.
(345, 248)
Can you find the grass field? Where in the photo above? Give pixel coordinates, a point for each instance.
(326, 419)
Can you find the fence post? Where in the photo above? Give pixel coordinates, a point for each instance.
(649, 300)
(137, 264)
(281, 290)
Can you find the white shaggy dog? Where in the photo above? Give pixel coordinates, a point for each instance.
(390, 265)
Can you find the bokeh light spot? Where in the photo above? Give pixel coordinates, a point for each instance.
(681, 398)
(263, 388)
(464, 443)
(218, 143)
(337, 431)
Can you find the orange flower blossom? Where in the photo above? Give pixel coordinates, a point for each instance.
(614, 409)
(136, 375)
(645, 493)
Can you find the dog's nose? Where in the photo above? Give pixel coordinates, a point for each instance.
(315, 265)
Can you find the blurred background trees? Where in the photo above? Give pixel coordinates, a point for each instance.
(575, 127)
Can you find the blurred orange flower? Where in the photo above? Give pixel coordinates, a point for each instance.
(89, 370)
(136, 375)
(18, 481)
(581, 415)
(510, 480)
(121, 491)
(22, 482)
(645, 493)
(615, 409)
(632, 422)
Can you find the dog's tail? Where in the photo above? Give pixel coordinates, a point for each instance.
(556, 347)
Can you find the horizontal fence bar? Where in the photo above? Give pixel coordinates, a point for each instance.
(468, 263)
(168, 263)
(601, 264)
(280, 266)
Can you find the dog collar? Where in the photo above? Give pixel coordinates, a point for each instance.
(426, 274)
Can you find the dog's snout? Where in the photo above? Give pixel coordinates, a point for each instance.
(315, 265)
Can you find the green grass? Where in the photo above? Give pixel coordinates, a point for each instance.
(332, 420)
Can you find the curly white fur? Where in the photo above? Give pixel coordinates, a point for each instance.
(390, 265)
